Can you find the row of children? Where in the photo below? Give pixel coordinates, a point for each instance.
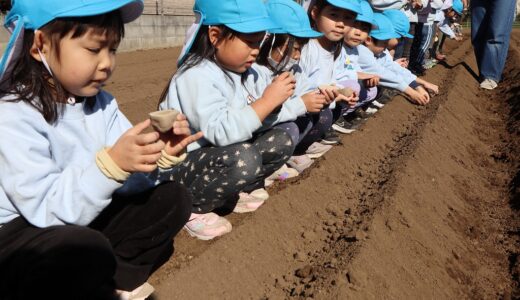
(91, 203)
(426, 17)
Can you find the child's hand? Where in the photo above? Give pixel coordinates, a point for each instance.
(136, 151)
(179, 137)
(351, 100)
(458, 38)
(369, 80)
(280, 89)
(372, 82)
(403, 62)
(417, 97)
(431, 87)
(329, 91)
(423, 92)
(314, 101)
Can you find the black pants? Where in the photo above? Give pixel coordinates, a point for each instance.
(130, 239)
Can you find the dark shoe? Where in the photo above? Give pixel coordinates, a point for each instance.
(330, 138)
(343, 126)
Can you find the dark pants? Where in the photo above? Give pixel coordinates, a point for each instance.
(216, 175)
(130, 239)
(491, 25)
(307, 129)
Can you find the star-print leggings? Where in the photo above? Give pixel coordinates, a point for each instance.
(307, 129)
(215, 175)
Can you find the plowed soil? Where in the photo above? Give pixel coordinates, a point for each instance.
(421, 203)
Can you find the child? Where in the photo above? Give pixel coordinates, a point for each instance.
(347, 122)
(446, 17)
(281, 52)
(214, 87)
(368, 63)
(66, 150)
(320, 56)
(401, 26)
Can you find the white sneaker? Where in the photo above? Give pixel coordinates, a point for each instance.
(371, 110)
(281, 174)
(317, 150)
(488, 84)
(377, 104)
(207, 226)
(249, 202)
(140, 293)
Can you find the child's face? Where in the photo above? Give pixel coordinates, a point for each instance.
(277, 53)
(392, 43)
(333, 21)
(377, 47)
(358, 34)
(238, 53)
(84, 64)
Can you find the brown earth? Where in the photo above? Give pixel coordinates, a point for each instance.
(421, 203)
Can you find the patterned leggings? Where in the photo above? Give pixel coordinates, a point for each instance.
(215, 175)
(307, 129)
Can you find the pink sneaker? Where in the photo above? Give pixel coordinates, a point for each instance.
(207, 226)
(281, 174)
(300, 162)
(249, 202)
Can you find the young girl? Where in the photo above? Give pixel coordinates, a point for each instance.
(281, 52)
(66, 149)
(319, 59)
(214, 87)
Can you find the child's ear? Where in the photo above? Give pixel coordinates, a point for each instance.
(214, 33)
(314, 13)
(368, 40)
(40, 42)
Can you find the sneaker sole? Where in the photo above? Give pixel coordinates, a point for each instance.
(342, 129)
(325, 142)
(206, 237)
(240, 209)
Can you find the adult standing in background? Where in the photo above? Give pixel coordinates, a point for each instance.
(491, 25)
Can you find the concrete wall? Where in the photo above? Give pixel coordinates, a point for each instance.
(147, 32)
(152, 31)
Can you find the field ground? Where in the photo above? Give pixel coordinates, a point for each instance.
(421, 203)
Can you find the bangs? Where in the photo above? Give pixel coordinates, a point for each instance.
(109, 24)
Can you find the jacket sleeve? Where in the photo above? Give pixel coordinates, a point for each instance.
(204, 101)
(369, 64)
(41, 191)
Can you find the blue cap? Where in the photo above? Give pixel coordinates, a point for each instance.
(367, 14)
(244, 16)
(458, 6)
(290, 18)
(384, 30)
(28, 14)
(400, 22)
(352, 5)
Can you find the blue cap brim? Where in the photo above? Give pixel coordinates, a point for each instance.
(346, 5)
(385, 36)
(406, 35)
(130, 9)
(256, 25)
(298, 33)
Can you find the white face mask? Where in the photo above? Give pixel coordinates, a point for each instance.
(288, 63)
(44, 61)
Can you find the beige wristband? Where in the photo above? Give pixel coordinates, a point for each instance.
(168, 161)
(108, 167)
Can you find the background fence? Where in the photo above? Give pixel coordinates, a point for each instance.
(169, 7)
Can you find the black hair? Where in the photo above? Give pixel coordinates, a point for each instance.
(201, 49)
(279, 40)
(319, 5)
(32, 83)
